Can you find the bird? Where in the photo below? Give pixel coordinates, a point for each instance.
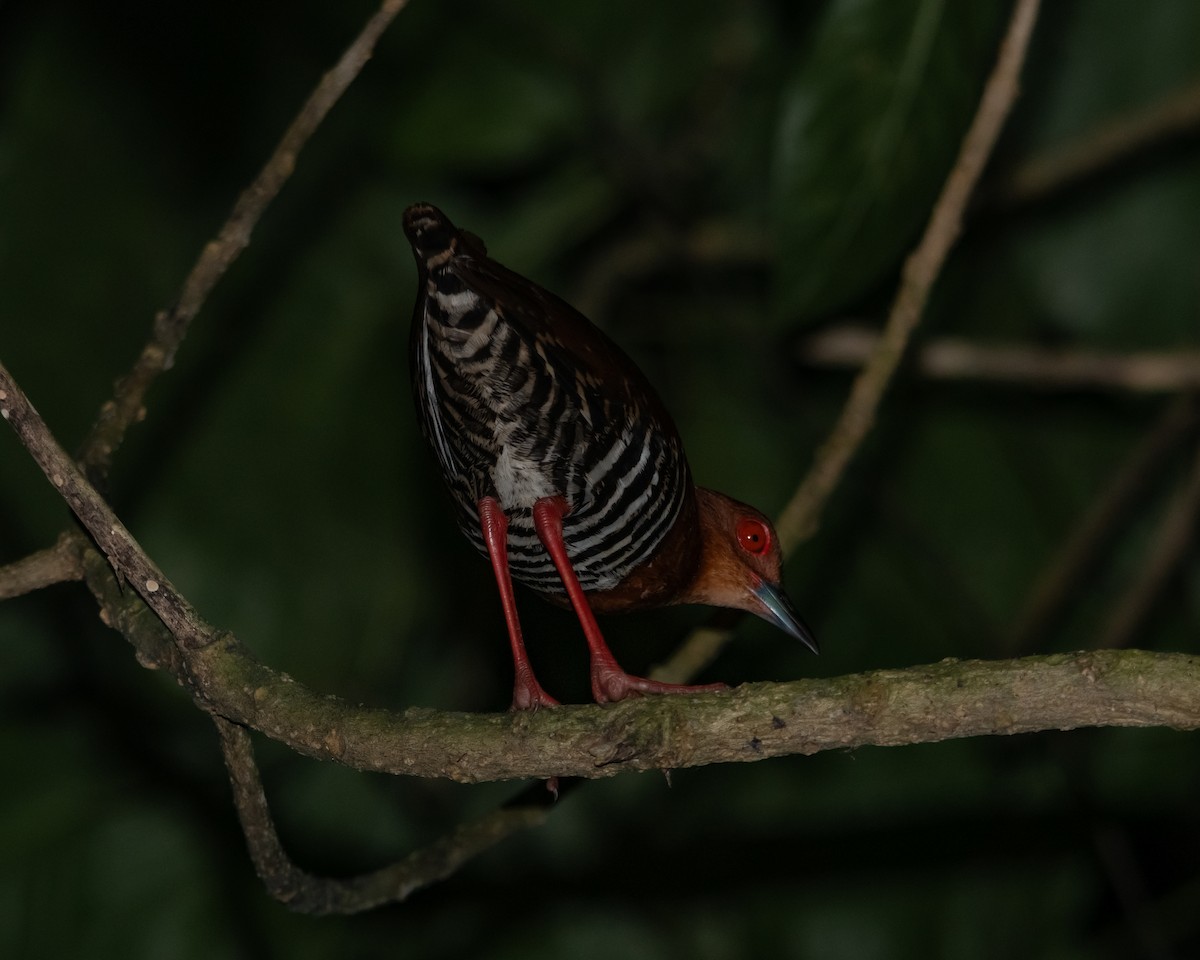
(565, 469)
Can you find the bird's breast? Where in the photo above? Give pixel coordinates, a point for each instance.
(520, 481)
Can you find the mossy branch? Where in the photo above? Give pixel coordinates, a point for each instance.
(756, 721)
(924, 704)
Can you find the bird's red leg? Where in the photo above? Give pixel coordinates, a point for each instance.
(609, 681)
(527, 692)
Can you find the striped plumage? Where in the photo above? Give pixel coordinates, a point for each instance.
(510, 410)
(526, 403)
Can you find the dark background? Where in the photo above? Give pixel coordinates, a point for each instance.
(710, 181)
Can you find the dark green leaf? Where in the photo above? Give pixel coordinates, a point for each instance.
(871, 120)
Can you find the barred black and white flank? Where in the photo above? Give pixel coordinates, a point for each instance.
(522, 398)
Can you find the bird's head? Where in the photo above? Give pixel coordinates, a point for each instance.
(740, 564)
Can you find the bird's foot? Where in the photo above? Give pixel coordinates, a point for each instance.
(531, 697)
(611, 683)
(528, 694)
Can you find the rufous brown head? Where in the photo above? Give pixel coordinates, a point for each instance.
(740, 565)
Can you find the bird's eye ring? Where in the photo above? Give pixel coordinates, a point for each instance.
(753, 536)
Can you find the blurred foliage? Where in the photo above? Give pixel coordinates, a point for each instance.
(280, 480)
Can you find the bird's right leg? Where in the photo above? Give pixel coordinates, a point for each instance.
(527, 692)
(609, 681)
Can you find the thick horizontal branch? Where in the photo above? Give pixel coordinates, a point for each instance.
(949, 358)
(943, 701)
(946, 700)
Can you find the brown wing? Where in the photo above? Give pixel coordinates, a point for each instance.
(573, 341)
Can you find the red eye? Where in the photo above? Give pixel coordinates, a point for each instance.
(754, 536)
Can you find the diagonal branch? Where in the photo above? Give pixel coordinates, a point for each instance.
(171, 325)
(124, 554)
(1066, 572)
(1099, 150)
(800, 517)
(1175, 534)
(172, 640)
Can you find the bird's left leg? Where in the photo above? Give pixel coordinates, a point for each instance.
(609, 681)
(527, 692)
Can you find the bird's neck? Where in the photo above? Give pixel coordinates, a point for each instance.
(716, 576)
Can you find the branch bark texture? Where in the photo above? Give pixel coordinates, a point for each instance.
(942, 701)
(56, 564)
(126, 557)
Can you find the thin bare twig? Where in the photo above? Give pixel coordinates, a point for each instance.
(1078, 554)
(708, 244)
(171, 325)
(184, 629)
(799, 518)
(1175, 534)
(56, 564)
(1104, 147)
(951, 358)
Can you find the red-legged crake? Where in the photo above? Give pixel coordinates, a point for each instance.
(564, 466)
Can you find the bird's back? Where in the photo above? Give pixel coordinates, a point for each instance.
(521, 398)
